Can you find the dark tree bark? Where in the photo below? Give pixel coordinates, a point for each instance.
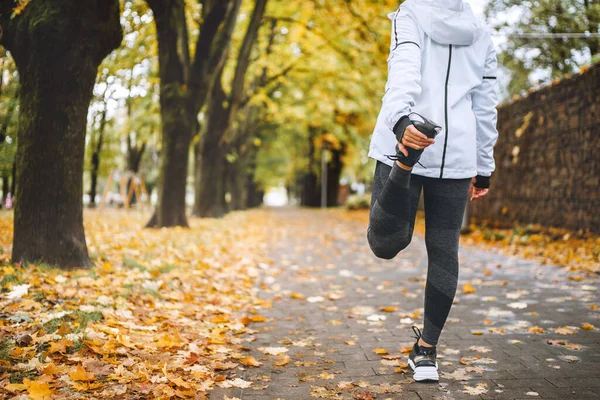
(184, 87)
(96, 151)
(5, 188)
(57, 47)
(13, 178)
(334, 172)
(210, 185)
(210, 199)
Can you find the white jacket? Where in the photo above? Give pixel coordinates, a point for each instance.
(442, 64)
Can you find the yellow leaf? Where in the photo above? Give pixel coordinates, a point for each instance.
(565, 330)
(251, 361)
(50, 369)
(468, 288)
(220, 319)
(536, 329)
(477, 332)
(80, 374)
(283, 362)
(15, 387)
(258, 318)
(325, 375)
(389, 309)
(588, 326)
(60, 346)
(38, 390)
(380, 351)
(298, 296)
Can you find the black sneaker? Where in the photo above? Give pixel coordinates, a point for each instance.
(423, 361)
(423, 125)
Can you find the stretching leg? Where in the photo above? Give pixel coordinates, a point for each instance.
(393, 208)
(445, 202)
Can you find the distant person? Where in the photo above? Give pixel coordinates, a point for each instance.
(8, 202)
(442, 69)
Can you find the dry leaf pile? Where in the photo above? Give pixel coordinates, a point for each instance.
(159, 316)
(578, 251)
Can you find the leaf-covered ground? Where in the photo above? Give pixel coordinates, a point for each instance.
(159, 316)
(176, 313)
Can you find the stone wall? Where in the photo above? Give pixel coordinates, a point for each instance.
(548, 158)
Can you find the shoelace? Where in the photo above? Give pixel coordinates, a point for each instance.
(396, 158)
(424, 349)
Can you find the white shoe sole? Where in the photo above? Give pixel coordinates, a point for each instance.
(424, 373)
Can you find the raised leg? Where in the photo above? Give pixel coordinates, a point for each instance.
(393, 208)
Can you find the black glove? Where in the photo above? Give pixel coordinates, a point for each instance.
(482, 182)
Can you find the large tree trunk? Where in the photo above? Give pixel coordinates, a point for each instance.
(57, 46)
(210, 184)
(176, 138)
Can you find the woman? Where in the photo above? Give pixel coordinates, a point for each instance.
(442, 66)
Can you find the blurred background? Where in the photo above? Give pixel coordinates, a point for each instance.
(284, 115)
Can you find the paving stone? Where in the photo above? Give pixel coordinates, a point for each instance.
(336, 252)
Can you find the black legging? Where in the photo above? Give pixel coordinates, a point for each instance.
(393, 208)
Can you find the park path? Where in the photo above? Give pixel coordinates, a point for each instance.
(327, 293)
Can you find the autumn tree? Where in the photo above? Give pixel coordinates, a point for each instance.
(185, 82)
(534, 43)
(57, 47)
(328, 100)
(221, 112)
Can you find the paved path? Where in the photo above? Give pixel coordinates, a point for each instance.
(330, 340)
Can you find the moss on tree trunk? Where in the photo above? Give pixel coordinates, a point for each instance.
(57, 46)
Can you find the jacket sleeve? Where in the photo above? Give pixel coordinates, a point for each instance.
(484, 105)
(404, 69)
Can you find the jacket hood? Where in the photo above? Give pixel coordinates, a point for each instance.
(444, 21)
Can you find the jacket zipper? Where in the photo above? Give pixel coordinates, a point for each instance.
(446, 110)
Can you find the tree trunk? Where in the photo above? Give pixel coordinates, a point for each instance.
(311, 193)
(57, 46)
(13, 178)
(176, 138)
(96, 151)
(210, 187)
(184, 88)
(214, 170)
(334, 172)
(5, 188)
(175, 118)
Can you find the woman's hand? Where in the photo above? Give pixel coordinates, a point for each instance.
(475, 192)
(414, 139)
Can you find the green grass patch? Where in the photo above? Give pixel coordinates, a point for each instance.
(79, 318)
(165, 269)
(18, 377)
(6, 346)
(133, 264)
(84, 318)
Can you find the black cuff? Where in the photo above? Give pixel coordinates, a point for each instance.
(400, 127)
(482, 182)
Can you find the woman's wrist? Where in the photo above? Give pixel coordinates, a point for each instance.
(401, 126)
(482, 182)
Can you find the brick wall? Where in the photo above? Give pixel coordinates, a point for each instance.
(548, 158)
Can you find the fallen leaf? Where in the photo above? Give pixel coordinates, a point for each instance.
(80, 374)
